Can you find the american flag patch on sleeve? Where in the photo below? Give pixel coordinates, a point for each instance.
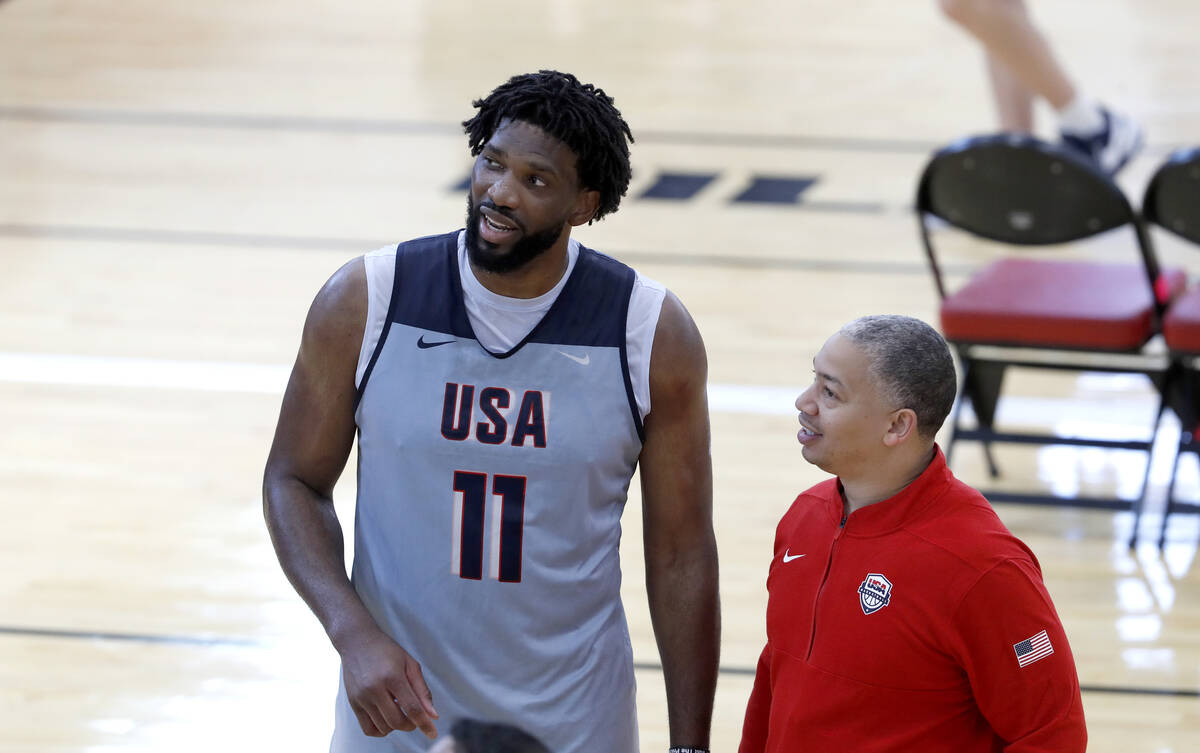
(1032, 649)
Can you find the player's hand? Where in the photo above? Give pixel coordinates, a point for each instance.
(386, 689)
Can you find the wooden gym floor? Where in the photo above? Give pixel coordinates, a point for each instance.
(178, 179)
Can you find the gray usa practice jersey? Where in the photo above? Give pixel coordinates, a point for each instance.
(490, 490)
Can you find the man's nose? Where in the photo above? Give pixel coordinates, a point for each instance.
(805, 402)
(502, 192)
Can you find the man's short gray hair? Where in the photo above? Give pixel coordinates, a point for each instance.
(911, 363)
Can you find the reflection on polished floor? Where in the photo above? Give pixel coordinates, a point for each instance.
(177, 181)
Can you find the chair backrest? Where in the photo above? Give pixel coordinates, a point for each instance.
(1019, 190)
(1172, 198)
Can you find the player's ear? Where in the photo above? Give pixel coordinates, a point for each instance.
(585, 207)
(903, 427)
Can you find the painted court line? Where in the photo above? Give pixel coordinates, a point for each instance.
(105, 371)
(270, 379)
(222, 641)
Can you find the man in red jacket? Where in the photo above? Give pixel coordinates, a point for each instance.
(902, 614)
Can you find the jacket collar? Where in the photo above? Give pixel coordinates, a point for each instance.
(894, 512)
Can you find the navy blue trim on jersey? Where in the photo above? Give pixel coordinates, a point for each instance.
(592, 310)
(387, 325)
(432, 297)
(633, 406)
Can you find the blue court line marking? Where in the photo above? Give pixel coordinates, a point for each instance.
(1117, 690)
(224, 121)
(212, 641)
(631, 256)
(93, 635)
(775, 190)
(181, 237)
(675, 186)
(385, 126)
(856, 207)
(778, 192)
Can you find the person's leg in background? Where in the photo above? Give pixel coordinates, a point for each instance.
(1022, 66)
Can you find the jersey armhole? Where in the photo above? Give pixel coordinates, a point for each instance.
(381, 273)
(645, 305)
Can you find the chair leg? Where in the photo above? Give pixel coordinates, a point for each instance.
(1137, 520)
(952, 441)
(1140, 503)
(981, 383)
(1169, 507)
(993, 469)
(956, 414)
(1179, 388)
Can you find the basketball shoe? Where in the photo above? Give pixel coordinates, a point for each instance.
(1112, 146)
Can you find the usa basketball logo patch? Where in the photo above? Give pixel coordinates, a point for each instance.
(875, 593)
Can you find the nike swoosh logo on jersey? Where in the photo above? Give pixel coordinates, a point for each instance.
(583, 360)
(786, 558)
(422, 344)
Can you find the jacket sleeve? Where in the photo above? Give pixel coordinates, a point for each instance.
(1015, 653)
(758, 710)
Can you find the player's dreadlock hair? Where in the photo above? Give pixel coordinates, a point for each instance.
(580, 115)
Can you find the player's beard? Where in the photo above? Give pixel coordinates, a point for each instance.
(486, 256)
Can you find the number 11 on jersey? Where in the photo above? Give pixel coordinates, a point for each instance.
(505, 529)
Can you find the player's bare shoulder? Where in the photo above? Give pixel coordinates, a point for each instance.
(333, 333)
(316, 421)
(678, 361)
(339, 311)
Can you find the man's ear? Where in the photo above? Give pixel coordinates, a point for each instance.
(585, 208)
(902, 428)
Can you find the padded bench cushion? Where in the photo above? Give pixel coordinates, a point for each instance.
(1068, 304)
(1181, 326)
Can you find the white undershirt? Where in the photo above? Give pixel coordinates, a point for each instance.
(500, 322)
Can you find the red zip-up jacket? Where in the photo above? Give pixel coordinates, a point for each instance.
(919, 624)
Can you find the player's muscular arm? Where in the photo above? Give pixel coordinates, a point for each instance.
(312, 442)
(681, 551)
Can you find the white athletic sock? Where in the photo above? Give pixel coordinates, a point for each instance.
(1081, 116)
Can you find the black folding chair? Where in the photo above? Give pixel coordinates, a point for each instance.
(1078, 315)
(1172, 201)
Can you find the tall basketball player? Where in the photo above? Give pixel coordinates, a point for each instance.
(504, 382)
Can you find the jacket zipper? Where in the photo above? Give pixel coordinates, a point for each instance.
(812, 634)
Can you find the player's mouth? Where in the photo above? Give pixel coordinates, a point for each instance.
(807, 435)
(495, 227)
